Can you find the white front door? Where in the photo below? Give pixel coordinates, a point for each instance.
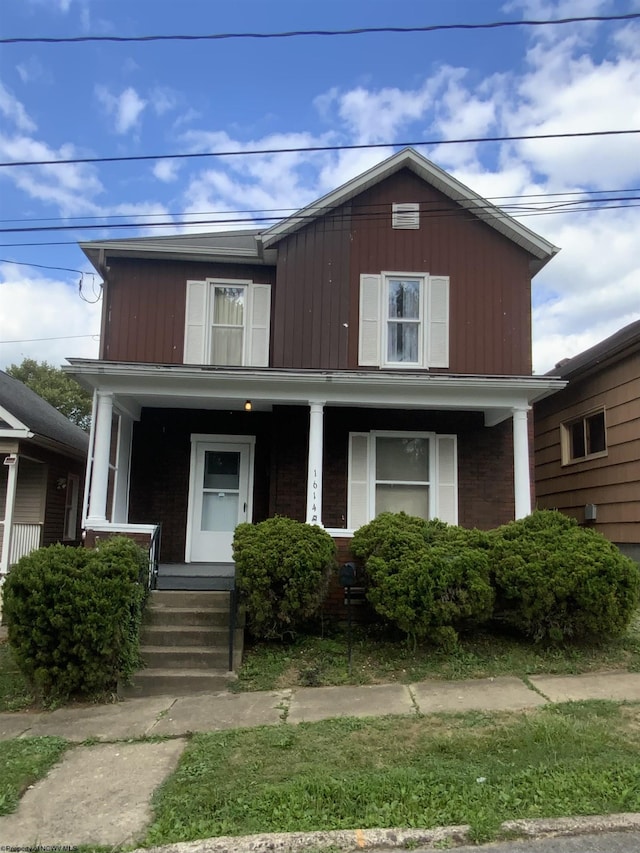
(219, 497)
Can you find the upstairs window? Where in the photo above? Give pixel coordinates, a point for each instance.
(227, 323)
(584, 438)
(404, 320)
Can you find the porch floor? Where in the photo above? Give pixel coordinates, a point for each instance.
(196, 576)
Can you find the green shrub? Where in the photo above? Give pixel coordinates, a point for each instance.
(557, 581)
(282, 571)
(425, 577)
(74, 616)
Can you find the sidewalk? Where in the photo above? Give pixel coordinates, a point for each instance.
(100, 793)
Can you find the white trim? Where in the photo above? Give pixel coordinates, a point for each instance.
(521, 470)
(315, 465)
(423, 278)
(12, 482)
(13, 422)
(101, 455)
(122, 473)
(204, 387)
(207, 438)
(89, 466)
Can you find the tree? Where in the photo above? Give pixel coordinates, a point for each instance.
(58, 389)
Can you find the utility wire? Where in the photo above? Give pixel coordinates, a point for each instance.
(41, 266)
(371, 216)
(491, 25)
(310, 148)
(369, 212)
(61, 338)
(173, 218)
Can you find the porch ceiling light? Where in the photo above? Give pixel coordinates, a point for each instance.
(248, 406)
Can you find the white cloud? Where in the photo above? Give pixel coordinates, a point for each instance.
(163, 99)
(166, 170)
(14, 111)
(61, 316)
(125, 108)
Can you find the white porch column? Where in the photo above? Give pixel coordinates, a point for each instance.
(100, 463)
(314, 470)
(123, 465)
(12, 482)
(521, 476)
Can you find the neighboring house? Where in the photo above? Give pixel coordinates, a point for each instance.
(587, 440)
(42, 465)
(371, 352)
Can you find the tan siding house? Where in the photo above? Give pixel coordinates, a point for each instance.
(587, 440)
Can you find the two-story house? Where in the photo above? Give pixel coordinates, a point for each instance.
(370, 352)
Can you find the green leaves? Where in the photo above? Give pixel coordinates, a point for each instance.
(58, 389)
(282, 570)
(74, 616)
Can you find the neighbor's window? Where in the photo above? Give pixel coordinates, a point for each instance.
(71, 506)
(584, 437)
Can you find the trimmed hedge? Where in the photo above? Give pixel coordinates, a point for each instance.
(74, 616)
(427, 578)
(282, 572)
(557, 581)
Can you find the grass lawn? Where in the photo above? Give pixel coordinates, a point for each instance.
(14, 691)
(480, 769)
(322, 660)
(22, 762)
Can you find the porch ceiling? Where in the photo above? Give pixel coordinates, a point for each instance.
(135, 386)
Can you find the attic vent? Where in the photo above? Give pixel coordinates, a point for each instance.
(405, 215)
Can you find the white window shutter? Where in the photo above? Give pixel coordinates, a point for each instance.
(358, 486)
(438, 319)
(447, 485)
(260, 319)
(369, 332)
(195, 318)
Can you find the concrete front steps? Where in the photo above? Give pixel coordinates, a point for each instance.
(185, 644)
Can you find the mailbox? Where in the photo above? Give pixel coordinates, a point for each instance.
(347, 574)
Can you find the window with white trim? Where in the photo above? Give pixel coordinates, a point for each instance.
(584, 437)
(412, 472)
(404, 320)
(227, 323)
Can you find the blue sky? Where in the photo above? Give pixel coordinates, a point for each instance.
(87, 100)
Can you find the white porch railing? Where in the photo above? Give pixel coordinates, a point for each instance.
(25, 538)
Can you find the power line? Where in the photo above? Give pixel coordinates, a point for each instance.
(370, 212)
(311, 148)
(468, 213)
(40, 266)
(173, 218)
(491, 25)
(61, 338)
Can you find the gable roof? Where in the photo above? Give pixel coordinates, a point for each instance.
(541, 250)
(259, 246)
(616, 346)
(22, 408)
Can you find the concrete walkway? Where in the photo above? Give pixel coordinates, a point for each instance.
(101, 791)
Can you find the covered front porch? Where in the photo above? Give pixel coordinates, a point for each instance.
(199, 450)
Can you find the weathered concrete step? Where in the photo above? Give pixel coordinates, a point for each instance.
(184, 657)
(193, 582)
(176, 682)
(185, 635)
(204, 599)
(187, 616)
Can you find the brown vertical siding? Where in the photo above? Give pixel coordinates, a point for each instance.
(145, 305)
(612, 482)
(311, 306)
(489, 275)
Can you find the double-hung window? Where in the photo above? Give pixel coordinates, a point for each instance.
(227, 323)
(404, 320)
(412, 472)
